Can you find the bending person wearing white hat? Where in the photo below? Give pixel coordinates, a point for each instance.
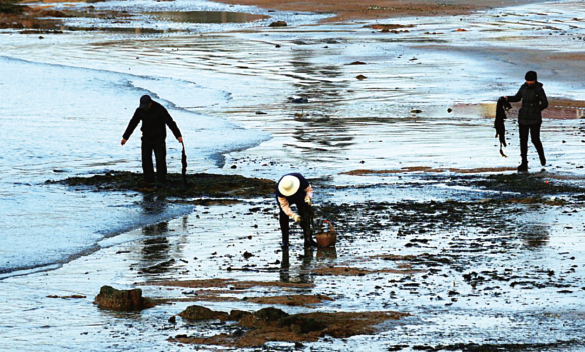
(291, 189)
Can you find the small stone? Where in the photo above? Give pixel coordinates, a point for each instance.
(278, 24)
(197, 313)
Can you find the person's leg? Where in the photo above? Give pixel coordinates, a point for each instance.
(285, 265)
(147, 167)
(535, 137)
(524, 130)
(160, 153)
(284, 227)
(306, 213)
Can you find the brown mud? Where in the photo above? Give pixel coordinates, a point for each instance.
(221, 296)
(232, 284)
(411, 169)
(346, 10)
(17, 16)
(349, 271)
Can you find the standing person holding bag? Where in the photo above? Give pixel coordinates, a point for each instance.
(534, 101)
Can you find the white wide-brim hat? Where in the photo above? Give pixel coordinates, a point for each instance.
(289, 185)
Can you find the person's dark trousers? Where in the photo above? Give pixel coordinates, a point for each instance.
(534, 131)
(284, 220)
(160, 153)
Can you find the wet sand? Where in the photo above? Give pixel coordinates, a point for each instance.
(379, 9)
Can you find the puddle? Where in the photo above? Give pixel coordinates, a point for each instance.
(206, 17)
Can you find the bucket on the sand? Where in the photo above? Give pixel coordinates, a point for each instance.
(326, 238)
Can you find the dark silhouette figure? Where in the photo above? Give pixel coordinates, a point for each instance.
(155, 118)
(534, 101)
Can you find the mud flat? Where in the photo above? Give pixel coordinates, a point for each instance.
(379, 9)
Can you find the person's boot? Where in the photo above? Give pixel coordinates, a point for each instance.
(542, 159)
(309, 241)
(523, 167)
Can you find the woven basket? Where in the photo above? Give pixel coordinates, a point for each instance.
(327, 238)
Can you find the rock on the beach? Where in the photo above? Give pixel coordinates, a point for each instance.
(202, 313)
(236, 315)
(263, 317)
(123, 300)
(278, 24)
(299, 100)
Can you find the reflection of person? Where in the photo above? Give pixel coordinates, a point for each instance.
(291, 189)
(154, 118)
(304, 270)
(529, 117)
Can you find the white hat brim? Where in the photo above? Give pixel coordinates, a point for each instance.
(296, 184)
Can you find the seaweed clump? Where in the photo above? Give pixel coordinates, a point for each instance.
(11, 7)
(198, 185)
(272, 324)
(526, 183)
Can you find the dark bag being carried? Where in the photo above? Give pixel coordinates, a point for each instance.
(501, 107)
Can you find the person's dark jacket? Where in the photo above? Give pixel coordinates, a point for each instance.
(154, 122)
(533, 102)
(299, 195)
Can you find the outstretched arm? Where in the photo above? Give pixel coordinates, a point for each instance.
(516, 98)
(131, 126)
(173, 126)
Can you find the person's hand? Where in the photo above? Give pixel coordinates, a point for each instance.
(180, 139)
(123, 141)
(308, 200)
(296, 217)
(505, 97)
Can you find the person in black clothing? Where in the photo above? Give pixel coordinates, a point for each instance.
(154, 118)
(530, 117)
(293, 188)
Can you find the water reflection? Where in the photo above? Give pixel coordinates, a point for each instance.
(156, 247)
(206, 17)
(321, 85)
(153, 204)
(303, 271)
(535, 235)
(326, 253)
